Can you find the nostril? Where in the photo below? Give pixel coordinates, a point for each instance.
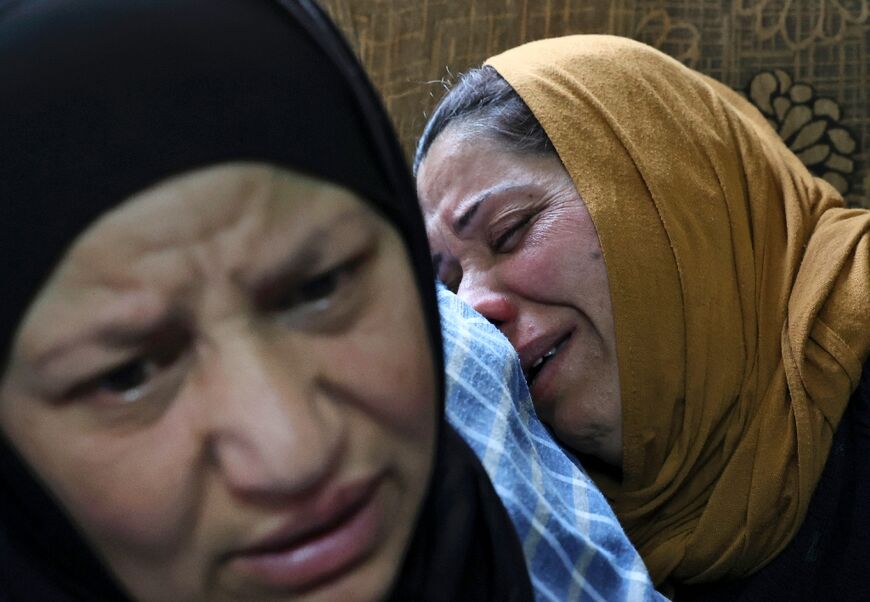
(495, 322)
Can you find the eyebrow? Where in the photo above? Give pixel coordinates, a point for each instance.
(119, 334)
(460, 223)
(116, 335)
(305, 253)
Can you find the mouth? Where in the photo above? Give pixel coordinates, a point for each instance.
(534, 368)
(320, 545)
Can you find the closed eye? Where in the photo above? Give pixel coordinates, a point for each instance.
(507, 240)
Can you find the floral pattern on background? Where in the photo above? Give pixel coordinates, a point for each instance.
(805, 63)
(809, 125)
(801, 23)
(680, 39)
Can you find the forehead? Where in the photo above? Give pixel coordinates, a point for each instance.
(455, 169)
(462, 168)
(229, 201)
(230, 221)
(453, 162)
(195, 204)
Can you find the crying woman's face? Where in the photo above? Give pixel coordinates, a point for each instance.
(228, 384)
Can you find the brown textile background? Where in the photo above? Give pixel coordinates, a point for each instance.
(805, 63)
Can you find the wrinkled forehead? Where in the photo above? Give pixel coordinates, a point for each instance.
(234, 221)
(102, 99)
(201, 203)
(441, 180)
(460, 166)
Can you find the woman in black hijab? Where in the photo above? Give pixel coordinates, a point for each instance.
(217, 381)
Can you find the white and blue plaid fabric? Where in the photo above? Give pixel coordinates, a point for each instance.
(574, 546)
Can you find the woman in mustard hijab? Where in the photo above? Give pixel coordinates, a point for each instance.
(690, 305)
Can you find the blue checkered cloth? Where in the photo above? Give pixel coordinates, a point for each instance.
(575, 548)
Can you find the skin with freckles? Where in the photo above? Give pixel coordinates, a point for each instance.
(510, 234)
(227, 382)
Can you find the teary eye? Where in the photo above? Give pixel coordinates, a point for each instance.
(506, 241)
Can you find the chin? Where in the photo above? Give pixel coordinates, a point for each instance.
(367, 584)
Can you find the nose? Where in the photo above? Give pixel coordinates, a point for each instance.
(272, 431)
(480, 290)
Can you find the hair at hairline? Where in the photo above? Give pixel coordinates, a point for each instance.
(482, 103)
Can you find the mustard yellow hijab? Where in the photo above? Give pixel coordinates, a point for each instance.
(741, 294)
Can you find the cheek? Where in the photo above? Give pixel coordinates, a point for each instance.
(547, 266)
(560, 261)
(148, 495)
(127, 490)
(386, 361)
(389, 369)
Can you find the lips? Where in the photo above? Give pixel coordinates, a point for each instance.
(535, 355)
(325, 539)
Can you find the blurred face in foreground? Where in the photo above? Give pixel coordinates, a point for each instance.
(510, 234)
(227, 382)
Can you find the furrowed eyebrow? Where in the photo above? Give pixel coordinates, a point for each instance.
(304, 252)
(460, 223)
(118, 336)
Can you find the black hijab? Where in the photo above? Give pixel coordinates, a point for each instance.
(102, 98)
